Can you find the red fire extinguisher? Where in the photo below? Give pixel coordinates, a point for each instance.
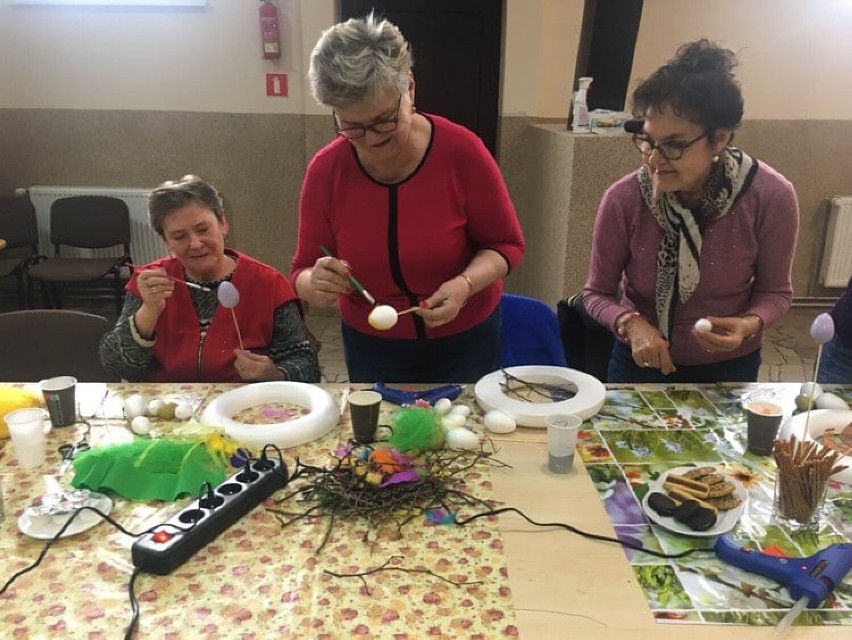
(269, 30)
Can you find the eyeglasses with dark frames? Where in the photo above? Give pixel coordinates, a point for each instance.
(673, 150)
(379, 126)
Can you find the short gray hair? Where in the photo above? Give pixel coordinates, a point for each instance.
(175, 194)
(357, 59)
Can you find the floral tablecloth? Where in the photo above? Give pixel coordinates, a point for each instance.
(257, 579)
(640, 433)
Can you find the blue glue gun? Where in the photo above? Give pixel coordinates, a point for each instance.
(398, 396)
(813, 577)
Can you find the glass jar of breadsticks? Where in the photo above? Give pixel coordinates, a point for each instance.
(801, 480)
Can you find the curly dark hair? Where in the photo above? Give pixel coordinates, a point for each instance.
(698, 84)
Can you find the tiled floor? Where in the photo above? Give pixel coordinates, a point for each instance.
(788, 351)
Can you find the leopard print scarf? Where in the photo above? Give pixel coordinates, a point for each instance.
(678, 257)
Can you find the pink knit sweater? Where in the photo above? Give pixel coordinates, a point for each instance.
(746, 260)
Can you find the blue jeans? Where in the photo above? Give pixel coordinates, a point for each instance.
(463, 357)
(836, 363)
(740, 369)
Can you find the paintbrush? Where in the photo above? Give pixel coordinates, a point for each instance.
(358, 286)
(192, 285)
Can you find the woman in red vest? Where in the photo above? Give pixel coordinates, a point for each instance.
(172, 331)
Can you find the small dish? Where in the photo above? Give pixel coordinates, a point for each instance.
(46, 528)
(725, 520)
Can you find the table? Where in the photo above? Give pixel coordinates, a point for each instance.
(257, 577)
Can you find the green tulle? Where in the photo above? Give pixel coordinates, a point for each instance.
(416, 429)
(149, 469)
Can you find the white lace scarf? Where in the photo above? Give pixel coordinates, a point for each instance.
(678, 257)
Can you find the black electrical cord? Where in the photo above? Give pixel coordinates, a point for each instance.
(585, 534)
(134, 603)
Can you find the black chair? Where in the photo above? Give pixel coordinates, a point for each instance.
(85, 222)
(529, 332)
(42, 343)
(19, 234)
(588, 344)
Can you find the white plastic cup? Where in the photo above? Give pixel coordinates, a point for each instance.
(562, 430)
(27, 428)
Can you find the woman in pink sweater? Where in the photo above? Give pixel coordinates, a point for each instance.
(700, 230)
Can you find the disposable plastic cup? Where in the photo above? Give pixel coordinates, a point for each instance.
(27, 428)
(562, 430)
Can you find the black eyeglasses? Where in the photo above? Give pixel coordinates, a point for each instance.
(669, 150)
(379, 126)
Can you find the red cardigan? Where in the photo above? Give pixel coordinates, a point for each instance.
(179, 352)
(403, 240)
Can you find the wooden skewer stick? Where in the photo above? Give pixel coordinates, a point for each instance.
(402, 313)
(237, 327)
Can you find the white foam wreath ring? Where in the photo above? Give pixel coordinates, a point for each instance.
(820, 420)
(323, 413)
(589, 399)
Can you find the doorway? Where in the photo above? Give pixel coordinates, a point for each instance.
(457, 49)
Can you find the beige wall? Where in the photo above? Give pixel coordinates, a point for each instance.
(795, 55)
(131, 97)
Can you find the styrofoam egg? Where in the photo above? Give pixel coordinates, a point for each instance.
(497, 421)
(183, 411)
(461, 439)
(383, 317)
(803, 402)
(703, 325)
(154, 407)
(140, 425)
(811, 389)
(461, 409)
(830, 401)
(135, 405)
(453, 421)
(442, 406)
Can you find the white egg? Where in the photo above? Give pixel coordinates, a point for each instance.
(453, 421)
(811, 389)
(134, 406)
(383, 317)
(703, 325)
(140, 425)
(461, 439)
(830, 401)
(461, 409)
(154, 407)
(442, 406)
(497, 421)
(183, 411)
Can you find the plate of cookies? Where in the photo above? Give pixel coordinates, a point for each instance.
(695, 501)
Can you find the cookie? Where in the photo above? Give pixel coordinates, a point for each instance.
(720, 490)
(713, 478)
(702, 520)
(685, 510)
(661, 503)
(699, 473)
(726, 502)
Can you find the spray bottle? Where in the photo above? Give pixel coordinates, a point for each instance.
(580, 110)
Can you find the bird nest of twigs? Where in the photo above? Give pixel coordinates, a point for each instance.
(384, 487)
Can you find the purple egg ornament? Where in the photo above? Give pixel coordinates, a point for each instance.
(822, 328)
(228, 295)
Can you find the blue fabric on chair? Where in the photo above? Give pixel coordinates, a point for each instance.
(529, 330)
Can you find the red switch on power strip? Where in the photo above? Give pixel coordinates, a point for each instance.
(276, 85)
(162, 536)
